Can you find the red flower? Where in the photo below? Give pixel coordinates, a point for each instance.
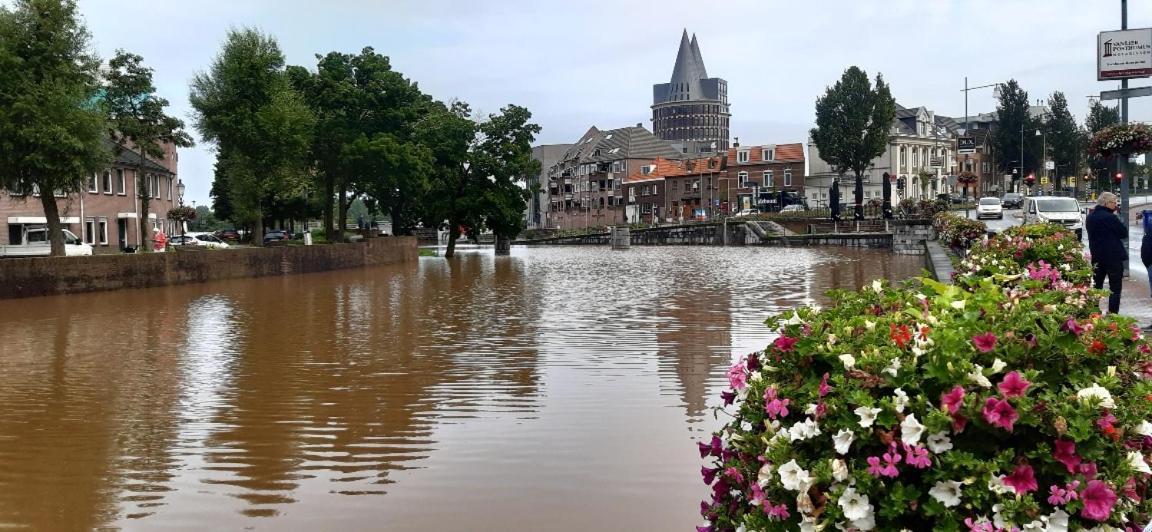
(1000, 413)
(984, 342)
(1097, 347)
(1022, 479)
(785, 343)
(901, 335)
(1065, 453)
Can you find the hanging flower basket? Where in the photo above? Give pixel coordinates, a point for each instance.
(966, 178)
(1120, 139)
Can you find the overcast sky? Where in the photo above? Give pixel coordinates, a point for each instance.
(593, 62)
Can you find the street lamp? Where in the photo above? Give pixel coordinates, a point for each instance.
(180, 196)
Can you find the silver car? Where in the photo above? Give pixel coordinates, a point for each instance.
(989, 207)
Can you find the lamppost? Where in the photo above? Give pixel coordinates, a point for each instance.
(180, 197)
(1044, 154)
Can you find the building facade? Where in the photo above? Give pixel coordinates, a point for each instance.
(105, 213)
(691, 110)
(585, 184)
(757, 175)
(538, 204)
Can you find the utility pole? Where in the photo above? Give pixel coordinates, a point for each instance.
(1123, 163)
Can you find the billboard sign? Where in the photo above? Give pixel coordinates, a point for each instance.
(1124, 54)
(966, 145)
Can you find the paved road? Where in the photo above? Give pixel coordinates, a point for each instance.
(1137, 295)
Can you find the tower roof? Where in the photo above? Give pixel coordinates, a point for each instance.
(689, 69)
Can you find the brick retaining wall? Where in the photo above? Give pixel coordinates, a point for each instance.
(45, 276)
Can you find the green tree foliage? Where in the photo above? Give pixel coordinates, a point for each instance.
(852, 123)
(1064, 138)
(1015, 125)
(138, 124)
(50, 128)
(363, 144)
(262, 128)
(475, 178)
(205, 220)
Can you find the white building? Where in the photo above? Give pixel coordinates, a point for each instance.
(920, 150)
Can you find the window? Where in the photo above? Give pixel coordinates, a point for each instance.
(915, 158)
(903, 157)
(742, 156)
(743, 177)
(90, 231)
(103, 233)
(94, 183)
(156, 186)
(646, 169)
(768, 179)
(596, 153)
(984, 167)
(169, 183)
(787, 177)
(769, 154)
(106, 178)
(615, 168)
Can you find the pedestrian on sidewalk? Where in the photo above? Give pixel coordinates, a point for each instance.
(1106, 234)
(1146, 255)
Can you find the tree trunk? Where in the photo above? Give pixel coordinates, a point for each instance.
(329, 192)
(858, 211)
(453, 234)
(52, 215)
(342, 215)
(141, 195)
(258, 230)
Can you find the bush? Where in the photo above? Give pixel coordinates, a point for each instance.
(975, 406)
(957, 231)
(1028, 251)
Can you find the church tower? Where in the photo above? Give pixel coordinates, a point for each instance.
(691, 110)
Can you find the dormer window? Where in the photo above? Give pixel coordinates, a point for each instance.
(769, 154)
(596, 152)
(742, 156)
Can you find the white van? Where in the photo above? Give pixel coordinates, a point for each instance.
(32, 241)
(1054, 209)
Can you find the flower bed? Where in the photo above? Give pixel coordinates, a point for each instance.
(1120, 139)
(957, 231)
(1005, 402)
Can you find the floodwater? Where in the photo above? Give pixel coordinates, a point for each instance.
(557, 389)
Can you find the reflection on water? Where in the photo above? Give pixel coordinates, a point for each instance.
(557, 389)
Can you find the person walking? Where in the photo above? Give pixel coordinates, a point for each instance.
(1106, 234)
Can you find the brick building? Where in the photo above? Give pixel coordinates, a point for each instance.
(645, 199)
(692, 187)
(106, 213)
(758, 174)
(691, 111)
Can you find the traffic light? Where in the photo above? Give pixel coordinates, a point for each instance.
(1030, 180)
(1119, 177)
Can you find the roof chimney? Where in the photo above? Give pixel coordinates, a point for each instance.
(736, 144)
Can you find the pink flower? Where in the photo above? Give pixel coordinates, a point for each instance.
(1022, 479)
(1060, 496)
(734, 474)
(1098, 500)
(1065, 453)
(774, 407)
(999, 413)
(1105, 422)
(1071, 326)
(824, 387)
(887, 467)
(1088, 469)
(1014, 385)
(736, 375)
(917, 456)
(952, 400)
(785, 343)
(984, 342)
(778, 511)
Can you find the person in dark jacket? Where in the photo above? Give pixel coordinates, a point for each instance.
(1106, 234)
(1146, 258)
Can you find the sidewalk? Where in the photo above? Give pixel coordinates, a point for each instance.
(1135, 300)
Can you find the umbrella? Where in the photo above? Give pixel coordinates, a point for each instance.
(887, 196)
(858, 213)
(834, 199)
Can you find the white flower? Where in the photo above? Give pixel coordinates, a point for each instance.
(839, 470)
(958, 305)
(899, 399)
(977, 376)
(756, 376)
(939, 442)
(843, 440)
(811, 410)
(746, 426)
(996, 484)
(877, 286)
(1034, 525)
(1057, 521)
(848, 360)
(793, 477)
(867, 523)
(870, 325)
(794, 320)
(1144, 428)
(804, 503)
(804, 430)
(1136, 460)
(764, 475)
(893, 367)
(867, 415)
(808, 524)
(911, 430)
(947, 492)
(855, 505)
(998, 366)
(998, 517)
(1096, 392)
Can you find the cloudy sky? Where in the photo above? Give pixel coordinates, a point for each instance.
(576, 64)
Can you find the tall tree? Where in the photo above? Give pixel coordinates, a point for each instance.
(51, 129)
(138, 124)
(1099, 117)
(504, 153)
(852, 123)
(1014, 125)
(1064, 138)
(261, 127)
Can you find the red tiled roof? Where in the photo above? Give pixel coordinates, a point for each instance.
(785, 153)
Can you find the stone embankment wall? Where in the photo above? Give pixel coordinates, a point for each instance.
(65, 275)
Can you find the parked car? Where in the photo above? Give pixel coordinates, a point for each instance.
(277, 235)
(32, 241)
(793, 208)
(1012, 200)
(230, 235)
(200, 239)
(746, 212)
(989, 207)
(1055, 209)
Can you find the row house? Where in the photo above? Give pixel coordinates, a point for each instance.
(693, 187)
(585, 184)
(920, 154)
(758, 176)
(646, 201)
(106, 211)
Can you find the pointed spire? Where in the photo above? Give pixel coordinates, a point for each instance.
(687, 73)
(699, 59)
